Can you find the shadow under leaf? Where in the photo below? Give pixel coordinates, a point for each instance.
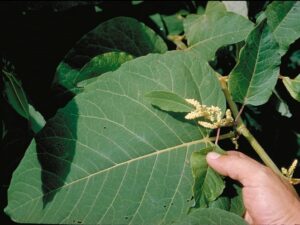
(56, 145)
(178, 116)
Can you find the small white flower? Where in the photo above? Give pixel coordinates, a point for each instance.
(212, 115)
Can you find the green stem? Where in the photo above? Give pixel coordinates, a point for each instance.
(258, 148)
(242, 129)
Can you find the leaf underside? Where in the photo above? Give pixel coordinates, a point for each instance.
(212, 216)
(110, 157)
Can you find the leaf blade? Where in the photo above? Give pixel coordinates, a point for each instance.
(238, 7)
(95, 151)
(293, 86)
(169, 101)
(208, 185)
(255, 75)
(103, 63)
(120, 34)
(37, 121)
(215, 29)
(15, 94)
(283, 17)
(213, 216)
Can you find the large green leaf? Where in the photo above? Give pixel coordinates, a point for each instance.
(293, 86)
(255, 75)
(118, 34)
(212, 216)
(110, 157)
(283, 19)
(214, 29)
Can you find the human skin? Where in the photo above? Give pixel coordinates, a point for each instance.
(268, 198)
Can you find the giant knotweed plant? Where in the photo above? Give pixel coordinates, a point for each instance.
(130, 146)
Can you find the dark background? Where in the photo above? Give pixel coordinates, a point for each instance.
(35, 36)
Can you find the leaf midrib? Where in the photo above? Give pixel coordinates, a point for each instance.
(203, 140)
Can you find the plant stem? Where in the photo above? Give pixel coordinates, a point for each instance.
(258, 148)
(239, 113)
(218, 136)
(230, 134)
(242, 129)
(177, 40)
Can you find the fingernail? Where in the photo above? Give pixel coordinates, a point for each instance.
(213, 155)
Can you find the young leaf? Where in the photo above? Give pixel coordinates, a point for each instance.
(17, 99)
(283, 18)
(293, 86)
(15, 94)
(169, 101)
(121, 34)
(208, 185)
(214, 29)
(255, 75)
(212, 216)
(109, 157)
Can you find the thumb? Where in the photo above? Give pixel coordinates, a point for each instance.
(237, 166)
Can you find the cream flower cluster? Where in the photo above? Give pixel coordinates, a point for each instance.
(288, 173)
(212, 115)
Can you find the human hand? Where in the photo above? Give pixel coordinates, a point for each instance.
(268, 198)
